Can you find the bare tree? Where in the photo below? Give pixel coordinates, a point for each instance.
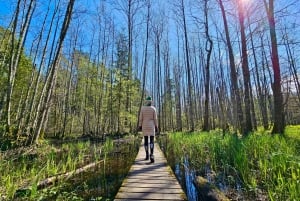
(181, 12)
(279, 123)
(208, 49)
(49, 86)
(237, 105)
(15, 53)
(130, 8)
(145, 56)
(178, 72)
(246, 74)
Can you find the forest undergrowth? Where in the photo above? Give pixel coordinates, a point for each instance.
(80, 170)
(264, 166)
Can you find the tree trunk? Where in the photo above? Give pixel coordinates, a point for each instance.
(145, 60)
(50, 83)
(177, 78)
(279, 123)
(15, 54)
(292, 66)
(208, 48)
(238, 111)
(246, 73)
(188, 68)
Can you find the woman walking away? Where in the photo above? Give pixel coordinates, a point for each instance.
(149, 126)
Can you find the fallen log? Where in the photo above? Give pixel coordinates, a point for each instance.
(54, 179)
(49, 181)
(208, 191)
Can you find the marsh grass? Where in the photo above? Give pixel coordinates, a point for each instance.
(263, 164)
(20, 172)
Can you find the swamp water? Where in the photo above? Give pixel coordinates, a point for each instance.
(186, 177)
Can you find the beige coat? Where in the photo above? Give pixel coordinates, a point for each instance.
(148, 120)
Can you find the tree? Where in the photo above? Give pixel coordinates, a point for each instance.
(246, 74)
(19, 95)
(190, 105)
(145, 57)
(279, 122)
(208, 49)
(16, 48)
(130, 8)
(237, 103)
(51, 78)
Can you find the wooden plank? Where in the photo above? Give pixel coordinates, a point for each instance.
(143, 185)
(150, 181)
(143, 200)
(150, 190)
(149, 195)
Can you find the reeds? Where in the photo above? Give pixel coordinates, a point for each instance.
(260, 163)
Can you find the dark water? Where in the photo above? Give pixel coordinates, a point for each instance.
(183, 173)
(186, 176)
(187, 180)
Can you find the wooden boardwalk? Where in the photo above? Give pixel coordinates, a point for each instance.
(150, 181)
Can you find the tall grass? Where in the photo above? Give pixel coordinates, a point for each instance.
(261, 162)
(46, 161)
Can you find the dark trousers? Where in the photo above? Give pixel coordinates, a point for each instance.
(146, 142)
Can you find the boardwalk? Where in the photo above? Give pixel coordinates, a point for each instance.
(150, 181)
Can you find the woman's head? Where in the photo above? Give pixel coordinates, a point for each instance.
(148, 100)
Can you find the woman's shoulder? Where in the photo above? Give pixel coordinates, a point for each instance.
(153, 108)
(148, 108)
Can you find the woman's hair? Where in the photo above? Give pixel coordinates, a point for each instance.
(148, 101)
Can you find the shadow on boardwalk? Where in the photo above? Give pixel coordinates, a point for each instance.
(150, 181)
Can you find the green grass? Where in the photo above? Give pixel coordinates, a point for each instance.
(264, 162)
(44, 162)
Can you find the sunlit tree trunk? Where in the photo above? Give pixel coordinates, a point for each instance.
(279, 123)
(246, 74)
(50, 83)
(188, 69)
(292, 65)
(145, 59)
(221, 89)
(33, 82)
(177, 79)
(15, 54)
(261, 101)
(208, 48)
(233, 74)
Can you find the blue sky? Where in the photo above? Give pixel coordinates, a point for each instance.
(5, 10)
(86, 9)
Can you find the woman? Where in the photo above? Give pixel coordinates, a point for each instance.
(149, 126)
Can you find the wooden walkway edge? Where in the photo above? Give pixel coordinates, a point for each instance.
(150, 181)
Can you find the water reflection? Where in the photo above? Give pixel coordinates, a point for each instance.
(190, 176)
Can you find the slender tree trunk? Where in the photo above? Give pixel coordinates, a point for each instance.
(50, 83)
(292, 65)
(260, 96)
(246, 73)
(15, 54)
(35, 105)
(233, 74)
(145, 60)
(32, 85)
(279, 123)
(67, 110)
(177, 73)
(158, 78)
(208, 48)
(188, 67)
